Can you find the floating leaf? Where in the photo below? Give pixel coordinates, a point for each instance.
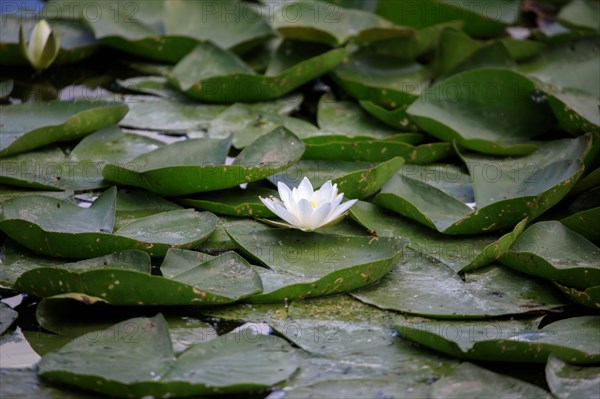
(313, 264)
(499, 121)
(384, 80)
(572, 339)
(470, 381)
(233, 202)
(568, 381)
(462, 253)
(552, 251)
(396, 118)
(59, 228)
(219, 366)
(424, 286)
(582, 14)
(589, 297)
(229, 79)
(191, 278)
(354, 179)
(336, 26)
(133, 205)
(198, 165)
(503, 191)
(478, 19)
(29, 126)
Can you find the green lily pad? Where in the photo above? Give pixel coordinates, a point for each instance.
(493, 55)
(168, 116)
(589, 297)
(313, 264)
(462, 253)
(165, 30)
(49, 168)
(76, 41)
(388, 81)
(227, 79)
(59, 228)
(581, 14)
(233, 202)
(396, 118)
(552, 251)
(471, 381)
(488, 110)
(354, 179)
(25, 382)
(378, 151)
(199, 164)
(190, 278)
(219, 366)
(424, 286)
(157, 86)
(7, 317)
(17, 260)
(503, 191)
(29, 126)
(333, 25)
(572, 340)
(576, 110)
(247, 123)
(133, 205)
(345, 340)
(479, 19)
(454, 47)
(567, 381)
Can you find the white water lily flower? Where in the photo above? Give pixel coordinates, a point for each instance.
(305, 209)
(42, 48)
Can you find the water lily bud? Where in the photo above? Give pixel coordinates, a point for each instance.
(42, 49)
(306, 209)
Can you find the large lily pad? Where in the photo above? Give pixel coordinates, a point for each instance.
(233, 202)
(503, 191)
(133, 205)
(470, 381)
(307, 265)
(219, 366)
(573, 340)
(190, 278)
(199, 164)
(478, 18)
(354, 179)
(76, 42)
(489, 110)
(388, 81)
(29, 126)
(58, 228)
(167, 30)
(462, 253)
(424, 286)
(229, 79)
(567, 381)
(552, 251)
(589, 297)
(333, 25)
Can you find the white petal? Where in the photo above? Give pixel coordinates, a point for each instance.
(341, 209)
(320, 216)
(305, 211)
(268, 202)
(284, 193)
(324, 192)
(336, 202)
(305, 189)
(286, 215)
(334, 192)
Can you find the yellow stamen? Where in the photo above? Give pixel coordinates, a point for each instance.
(313, 204)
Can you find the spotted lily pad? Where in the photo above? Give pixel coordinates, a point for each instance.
(502, 192)
(229, 79)
(573, 340)
(29, 126)
(233, 202)
(214, 367)
(58, 228)
(190, 278)
(589, 297)
(198, 165)
(313, 264)
(424, 286)
(460, 253)
(333, 25)
(552, 251)
(568, 381)
(354, 179)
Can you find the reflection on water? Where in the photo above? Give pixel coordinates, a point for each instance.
(15, 351)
